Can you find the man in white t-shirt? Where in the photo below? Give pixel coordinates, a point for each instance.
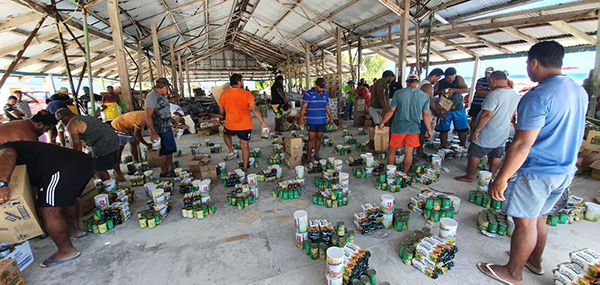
(492, 127)
(22, 105)
(426, 86)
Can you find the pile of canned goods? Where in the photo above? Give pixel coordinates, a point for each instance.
(429, 254)
(127, 159)
(315, 167)
(355, 161)
(426, 175)
(361, 147)
(582, 268)
(230, 179)
(401, 219)
(342, 149)
(393, 182)
(356, 264)
(369, 219)
(195, 208)
(149, 219)
(217, 148)
(331, 197)
(326, 141)
(362, 132)
(236, 146)
(484, 199)
(272, 173)
(241, 200)
(349, 139)
(104, 220)
(256, 153)
(277, 147)
(288, 189)
(327, 179)
(275, 159)
(494, 222)
(321, 235)
(367, 279)
(137, 180)
(432, 206)
(195, 148)
(574, 210)
(252, 162)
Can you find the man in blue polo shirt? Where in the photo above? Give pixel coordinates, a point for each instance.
(315, 103)
(540, 162)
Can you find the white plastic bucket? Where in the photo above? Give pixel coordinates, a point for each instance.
(196, 184)
(301, 181)
(323, 163)
(301, 221)
(485, 177)
(338, 165)
(110, 185)
(331, 160)
(335, 262)
(279, 170)
(448, 229)
(369, 170)
(593, 211)
(149, 174)
(254, 192)
(370, 161)
(149, 188)
(436, 161)
(178, 170)
(300, 172)
(344, 179)
(252, 180)
(387, 203)
(455, 203)
(391, 170)
(158, 196)
(101, 201)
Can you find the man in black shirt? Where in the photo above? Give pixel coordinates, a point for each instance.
(278, 101)
(59, 176)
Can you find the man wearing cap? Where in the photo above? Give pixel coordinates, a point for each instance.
(413, 106)
(379, 104)
(27, 130)
(482, 89)
(278, 102)
(235, 104)
(315, 103)
(453, 86)
(349, 91)
(99, 136)
(57, 101)
(426, 86)
(129, 127)
(158, 119)
(492, 125)
(58, 176)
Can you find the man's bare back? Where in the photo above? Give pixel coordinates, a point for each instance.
(22, 130)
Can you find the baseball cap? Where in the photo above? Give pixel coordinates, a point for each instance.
(450, 71)
(412, 76)
(489, 70)
(351, 82)
(162, 82)
(320, 82)
(63, 112)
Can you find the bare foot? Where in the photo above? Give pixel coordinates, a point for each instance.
(77, 233)
(465, 178)
(120, 177)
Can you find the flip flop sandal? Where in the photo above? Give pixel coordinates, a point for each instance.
(57, 262)
(491, 274)
(529, 268)
(80, 236)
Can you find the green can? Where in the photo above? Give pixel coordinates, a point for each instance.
(486, 201)
(320, 200)
(97, 214)
(307, 245)
(350, 238)
(427, 214)
(502, 229)
(356, 282)
(335, 240)
(157, 219)
(446, 203)
(436, 216)
(229, 199)
(492, 226)
(450, 213)
(314, 251)
(212, 208)
(322, 251)
(286, 194)
(372, 275)
(341, 242)
(315, 199)
(345, 200)
(496, 204)
(398, 224)
(365, 279)
(472, 196)
(328, 203)
(553, 220)
(110, 224)
(382, 178)
(429, 204)
(408, 255)
(562, 218)
(479, 199)
(176, 163)
(250, 199)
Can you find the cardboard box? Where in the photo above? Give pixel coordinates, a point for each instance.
(292, 145)
(293, 160)
(595, 166)
(18, 219)
(444, 104)
(204, 133)
(22, 255)
(152, 158)
(382, 139)
(592, 141)
(86, 199)
(10, 273)
(195, 162)
(209, 172)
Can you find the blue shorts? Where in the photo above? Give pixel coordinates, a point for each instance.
(125, 138)
(530, 195)
(423, 128)
(317, 128)
(458, 117)
(167, 143)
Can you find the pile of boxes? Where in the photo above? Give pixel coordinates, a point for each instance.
(293, 151)
(359, 112)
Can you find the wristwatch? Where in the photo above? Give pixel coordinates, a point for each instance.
(3, 184)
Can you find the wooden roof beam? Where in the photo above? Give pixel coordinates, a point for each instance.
(462, 49)
(565, 27)
(14, 22)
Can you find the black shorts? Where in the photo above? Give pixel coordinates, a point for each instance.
(244, 135)
(317, 128)
(106, 162)
(474, 111)
(480, 152)
(63, 187)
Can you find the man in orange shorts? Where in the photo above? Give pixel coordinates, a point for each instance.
(413, 106)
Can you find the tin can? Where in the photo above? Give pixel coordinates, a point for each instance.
(437, 204)
(314, 251)
(345, 200)
(151, 222)
(501, 229)
(110, 224)
(351, 236)
(341, 242)
(427, 214)
(372, 275)
(472, 196)
(446, 203)
(496, 204)
(95, 228)
(429, 204)
(436, 216)
(143, 222)
(486, 201)
(97, 214)
(157, 219)
(552, 220)
(562, 218)
(408, 255)
(211, 208)
(479, 199)
(492, 226)
(322, 251)
(335, 240)
(307, 246)
(450, 213)
(102, 227)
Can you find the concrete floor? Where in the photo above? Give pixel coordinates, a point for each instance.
(182, 251)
